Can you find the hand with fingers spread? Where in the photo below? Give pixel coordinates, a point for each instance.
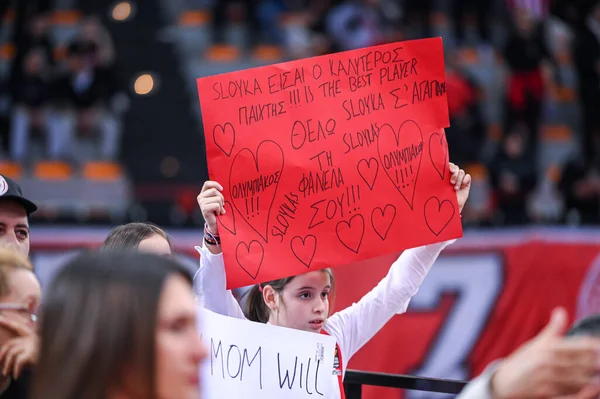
(212, 204)
(462, 184)
(19, 352)
(550, 366)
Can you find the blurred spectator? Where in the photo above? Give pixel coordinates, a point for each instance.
(537, 10)
(513, 178)
(226, 10)
(580, 187)
(587, 65)
(125, 324)
(30, 96)
(38, 36)
(83, 96)
(358, 23)
(529, 62)
(20, 296)
(93, 33)
(466, 131)
(317, 22)
(417, 17)
(477, 10)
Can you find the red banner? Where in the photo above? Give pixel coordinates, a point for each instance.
(474, 307)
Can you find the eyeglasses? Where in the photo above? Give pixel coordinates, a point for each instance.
(22, 309)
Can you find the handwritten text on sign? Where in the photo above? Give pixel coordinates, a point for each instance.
(330, 160)
(254, 360)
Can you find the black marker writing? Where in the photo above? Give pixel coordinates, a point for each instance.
(285, 212)
(343, 204)
(398, 71)
(237, 361)
(427, 89)
(289, 381)
(301, 96)
(330, 88)
(301, 131)
(359, 82)
(362, 138)
(214, 353)
(317, 182)
(363, 106)
(260, 112)
(248, 188)
(286, 80)
(328, 159)
(403, 156)
(238, 88)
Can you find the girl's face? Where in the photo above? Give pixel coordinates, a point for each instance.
(303, 304)
(155, 244)
(179, 350)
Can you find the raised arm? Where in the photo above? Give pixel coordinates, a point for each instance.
(356, 325)
(210, 281)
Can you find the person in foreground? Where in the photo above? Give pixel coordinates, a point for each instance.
(302, 302)
(548, 366)
(143, 237)
(20, 294)
(119, 326)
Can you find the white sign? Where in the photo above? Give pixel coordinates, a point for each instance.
(258, 361)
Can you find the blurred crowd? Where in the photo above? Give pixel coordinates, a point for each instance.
(61, 93)
(529, 36)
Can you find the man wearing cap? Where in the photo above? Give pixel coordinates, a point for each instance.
(14, 217)
(20, 293)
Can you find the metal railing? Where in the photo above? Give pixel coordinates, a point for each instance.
(354, 381)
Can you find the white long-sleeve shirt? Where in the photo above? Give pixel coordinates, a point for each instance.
(352, 327)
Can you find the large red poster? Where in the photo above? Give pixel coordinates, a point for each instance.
(329, 160)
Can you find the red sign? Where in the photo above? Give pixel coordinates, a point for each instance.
(329, 160)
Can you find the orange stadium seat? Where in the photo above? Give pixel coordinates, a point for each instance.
(53, 170)
(557, 133)
(104, 171)
(7, 51)
(11, 169)
(194, 18)
(66, 17)
(223, 53)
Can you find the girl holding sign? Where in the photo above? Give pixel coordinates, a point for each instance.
(302, 302)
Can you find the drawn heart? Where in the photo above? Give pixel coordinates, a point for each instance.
(253, 182)
(351, 233)
(224, 137)
(304, 249)
(438, 153)
(228, 219)
(367, 172)
(382, 219)
(400, 155)
(438, 214)
(250, 257)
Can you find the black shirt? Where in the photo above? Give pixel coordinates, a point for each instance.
(18, 389)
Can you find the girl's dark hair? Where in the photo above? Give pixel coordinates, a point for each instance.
(128, 236)
(98, 326)
(257, 309)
